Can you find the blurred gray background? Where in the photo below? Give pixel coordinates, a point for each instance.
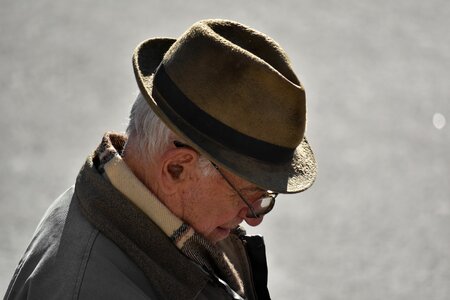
(376, 224)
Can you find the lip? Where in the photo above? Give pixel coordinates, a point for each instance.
(224, 229)
(227, 229)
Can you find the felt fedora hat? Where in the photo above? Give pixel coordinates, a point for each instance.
(230, 92)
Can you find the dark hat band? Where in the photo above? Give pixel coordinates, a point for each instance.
(175, 105)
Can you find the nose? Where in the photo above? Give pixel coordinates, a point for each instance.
(250, 221)
(253, 221)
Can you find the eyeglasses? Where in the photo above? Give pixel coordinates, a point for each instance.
(258, 208)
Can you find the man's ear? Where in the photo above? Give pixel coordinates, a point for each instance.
(175, 170)
(178, 167)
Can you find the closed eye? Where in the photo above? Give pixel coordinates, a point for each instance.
(252, 192)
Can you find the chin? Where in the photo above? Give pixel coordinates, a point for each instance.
(218, 234)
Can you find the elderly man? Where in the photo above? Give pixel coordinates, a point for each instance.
(215, 133)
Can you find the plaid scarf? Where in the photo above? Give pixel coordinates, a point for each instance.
(191, 244)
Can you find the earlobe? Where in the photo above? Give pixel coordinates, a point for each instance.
(171, 176)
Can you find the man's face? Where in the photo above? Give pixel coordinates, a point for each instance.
(213, 208)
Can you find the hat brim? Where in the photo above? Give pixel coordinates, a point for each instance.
(293, 176)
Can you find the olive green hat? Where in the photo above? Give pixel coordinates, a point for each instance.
(230, 91)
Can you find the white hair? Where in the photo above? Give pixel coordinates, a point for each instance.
(153, 136)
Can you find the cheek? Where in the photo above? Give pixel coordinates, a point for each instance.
(209, 208)
(199, 210)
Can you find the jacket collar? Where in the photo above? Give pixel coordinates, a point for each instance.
(138, 236)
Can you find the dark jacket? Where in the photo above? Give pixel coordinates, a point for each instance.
(123, 256)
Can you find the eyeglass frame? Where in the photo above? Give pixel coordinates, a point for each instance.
(267, 194)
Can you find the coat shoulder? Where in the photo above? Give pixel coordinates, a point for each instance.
(68, 258)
